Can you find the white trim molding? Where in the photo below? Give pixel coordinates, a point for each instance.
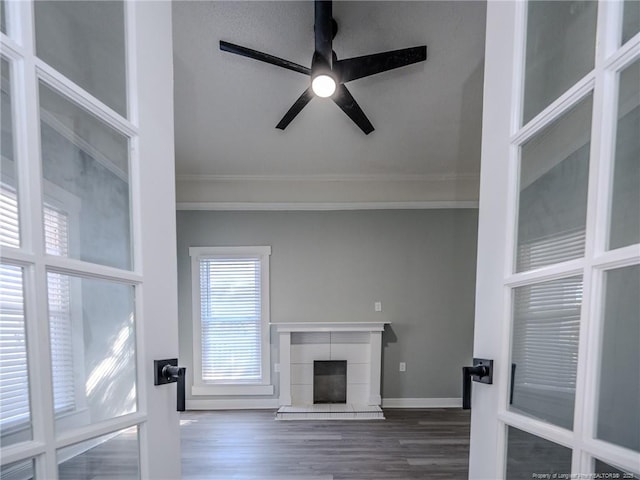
(273, 403)
(354, 177)
(293, 206)
(233, 404)
(231, 390)
(422, 402)
(328, 192)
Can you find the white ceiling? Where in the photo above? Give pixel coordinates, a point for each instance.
(427, 116)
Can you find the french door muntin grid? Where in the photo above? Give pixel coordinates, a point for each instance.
(602, 82)
(27, 71)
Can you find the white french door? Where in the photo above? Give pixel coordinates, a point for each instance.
(87, 238)
(558, 276)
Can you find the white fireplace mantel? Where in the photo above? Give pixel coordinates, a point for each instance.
(330, 326)
(372, 364)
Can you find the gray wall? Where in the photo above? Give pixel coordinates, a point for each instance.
(333, 266)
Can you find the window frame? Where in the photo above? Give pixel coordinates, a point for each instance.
(263, 386)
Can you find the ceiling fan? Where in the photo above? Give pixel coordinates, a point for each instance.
(328, 74)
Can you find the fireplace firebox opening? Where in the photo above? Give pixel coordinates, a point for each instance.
(330, 381)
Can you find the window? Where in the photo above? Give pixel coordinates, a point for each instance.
(231, 320)
(14, 388)
(568, 244)
(15, 407)
(547, 315)
(546, 331)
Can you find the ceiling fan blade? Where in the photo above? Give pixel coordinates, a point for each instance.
(348, 104)
(323, 29)
(295, 109)
(359, 67)
(263, 57)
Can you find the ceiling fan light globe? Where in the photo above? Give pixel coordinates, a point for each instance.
(323, 85)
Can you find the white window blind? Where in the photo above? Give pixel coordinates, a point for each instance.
(555, 248)
(546, 316)
(14, 391)
(230, 305)
(58, 291)
(56, 231)
(14, 388)
(546, 332)
(56, 234)
(9, 227)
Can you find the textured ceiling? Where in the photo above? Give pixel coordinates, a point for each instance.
(427, 116)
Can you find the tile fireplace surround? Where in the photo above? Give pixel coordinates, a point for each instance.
(359, 343)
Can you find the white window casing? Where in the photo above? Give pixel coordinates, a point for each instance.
(231, 347)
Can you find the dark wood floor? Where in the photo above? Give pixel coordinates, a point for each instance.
(243, 445)
(251, 445)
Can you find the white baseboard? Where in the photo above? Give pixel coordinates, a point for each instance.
(231, 404)
(274, 403)
(421, 402)
(231, 390)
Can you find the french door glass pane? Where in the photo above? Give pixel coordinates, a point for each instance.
(15, 413)
(3, 16)
(544, 349)
(18, 471)
(529, 456)
(554, 172)
(625, 220)
(92, 329)
(618, 419)
(560, 50)
(85, 41)
(111, 456)
(630, 19)
(86, 170)
(605, 468)
(9, 217)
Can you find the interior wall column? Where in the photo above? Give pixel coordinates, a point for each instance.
(285, 368)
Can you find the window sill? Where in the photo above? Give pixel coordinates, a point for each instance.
(197, 390)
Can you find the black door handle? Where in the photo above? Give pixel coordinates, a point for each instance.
(482, 371)
(513, 382)
(168, 371)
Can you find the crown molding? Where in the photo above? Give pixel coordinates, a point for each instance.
(326, 192)
(447, 177)
(319, 206)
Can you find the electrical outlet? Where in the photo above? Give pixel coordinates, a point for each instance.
(377, 306)
(276, 367)
(403, 367)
